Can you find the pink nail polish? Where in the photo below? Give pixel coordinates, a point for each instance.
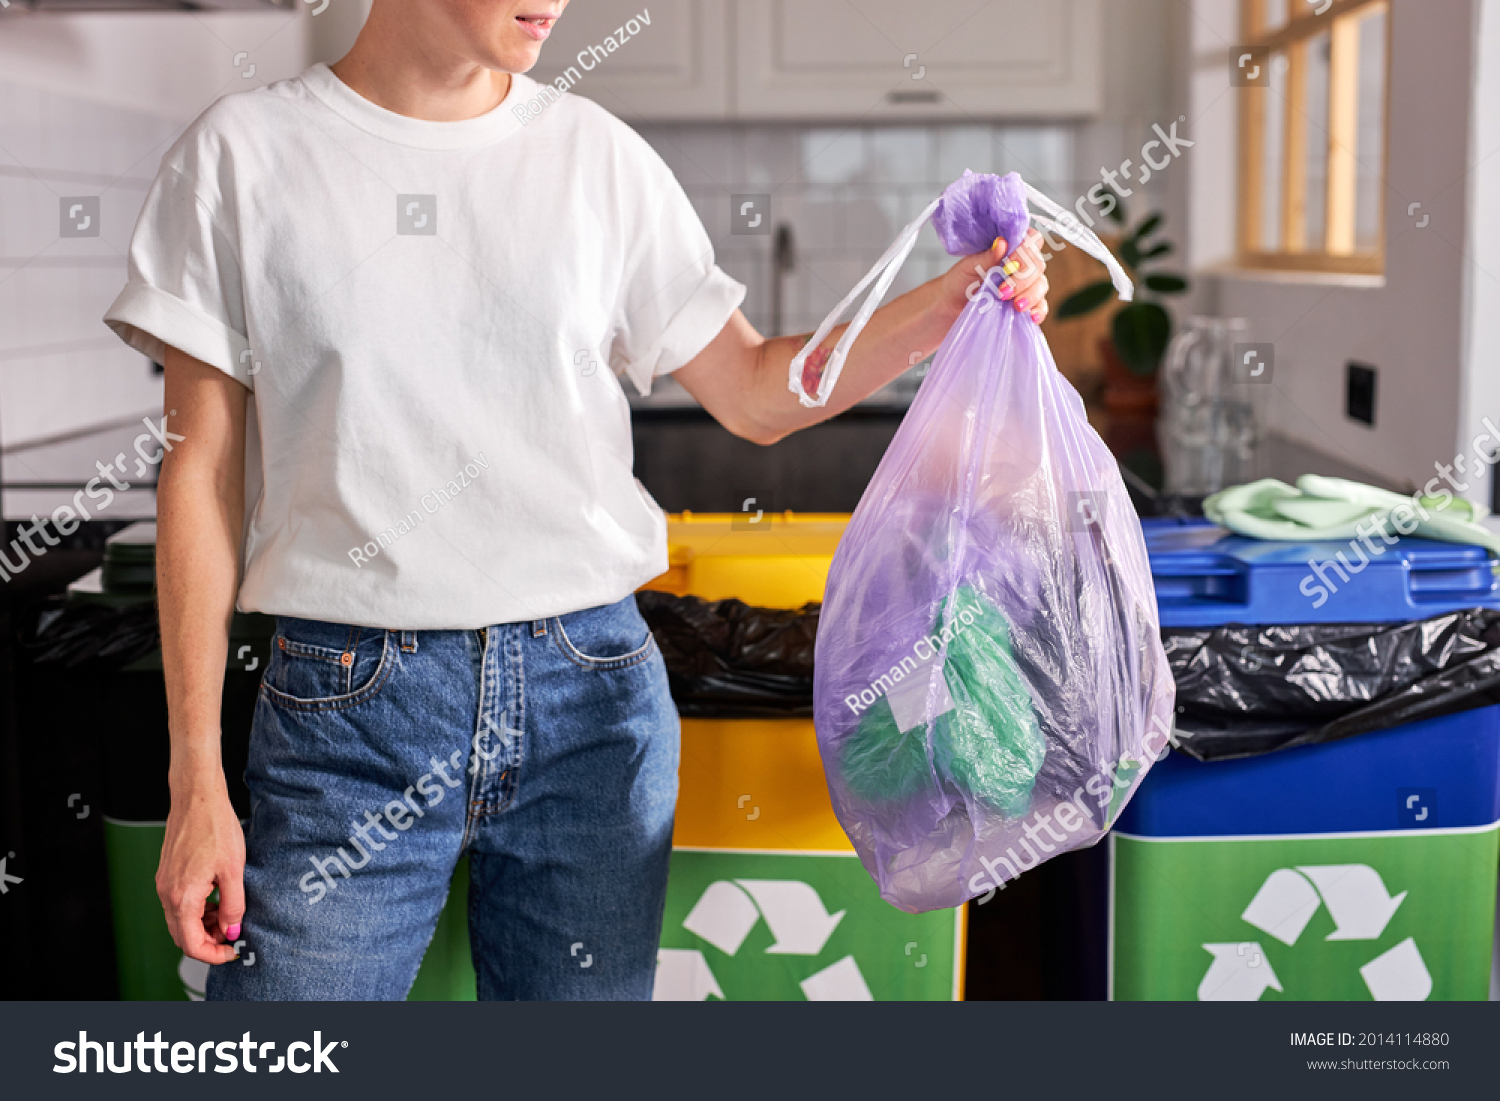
(1021, 304)
(232, 933)
(1006, 291)
(1036, 315)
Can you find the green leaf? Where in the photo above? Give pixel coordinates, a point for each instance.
(1130, 253)
(1166, 284)
(1141, 332)
(1160, 249)
(1087, 300)
(1117, 212)
(1146, 228)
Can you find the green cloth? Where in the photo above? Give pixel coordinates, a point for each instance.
(1318, 509)
(989, 744)
(880, 763)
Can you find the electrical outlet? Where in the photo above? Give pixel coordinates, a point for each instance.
(1359, 401)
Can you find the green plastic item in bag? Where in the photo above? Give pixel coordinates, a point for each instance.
(986, 740)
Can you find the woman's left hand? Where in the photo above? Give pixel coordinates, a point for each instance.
(741, 378)
(1025, 272)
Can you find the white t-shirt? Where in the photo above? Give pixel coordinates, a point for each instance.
(433, 318)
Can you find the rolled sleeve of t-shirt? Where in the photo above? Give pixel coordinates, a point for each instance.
(183, 288)
(675, 299)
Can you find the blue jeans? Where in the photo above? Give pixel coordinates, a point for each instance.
(546, 751)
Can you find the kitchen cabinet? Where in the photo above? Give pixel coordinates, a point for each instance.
(891, 59)
(676, 67)
(941, 59)
(865, 60)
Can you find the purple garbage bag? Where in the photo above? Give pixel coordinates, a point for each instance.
(990, 685)
(978, 207)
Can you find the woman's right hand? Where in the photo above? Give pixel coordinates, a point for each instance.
(204, 849)
(200, 513)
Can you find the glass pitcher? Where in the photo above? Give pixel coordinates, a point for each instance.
(1210, 425)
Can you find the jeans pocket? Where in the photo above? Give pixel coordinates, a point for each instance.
(319, 666)
(612, 637)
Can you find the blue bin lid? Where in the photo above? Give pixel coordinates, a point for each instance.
(1206, 576)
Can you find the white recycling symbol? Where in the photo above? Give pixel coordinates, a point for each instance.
(725, 915)
(1361, 908)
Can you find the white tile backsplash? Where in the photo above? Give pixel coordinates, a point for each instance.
(699, 156)
(935, 265)
(901, 155)
(828, 280)
(834, 156)
(753, 271)
(60, 368)
(818, 216)
(871, 216)
(766, 158)
(798, 318)
(963, 147)
(1041, 154)
(847, 191)
(712, 206)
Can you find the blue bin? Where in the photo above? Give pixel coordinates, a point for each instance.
(1363, 868)
(1206, 577)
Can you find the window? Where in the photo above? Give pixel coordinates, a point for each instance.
(1312, 135)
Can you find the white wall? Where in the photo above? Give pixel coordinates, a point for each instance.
(171, 64)
(332, 33)
(88, 105)
(1208, 28)
(1140, 90)
(1411, 324)
(1481, 396)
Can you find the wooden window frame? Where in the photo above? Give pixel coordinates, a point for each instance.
(1336, 252)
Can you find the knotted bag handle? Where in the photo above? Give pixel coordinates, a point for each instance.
(1053, 218)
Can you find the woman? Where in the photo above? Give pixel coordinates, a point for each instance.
(431, 489)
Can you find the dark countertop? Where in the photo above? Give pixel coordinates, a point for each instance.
(688, 461)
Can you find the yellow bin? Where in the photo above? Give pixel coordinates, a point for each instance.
(766, 899)
(774, 560)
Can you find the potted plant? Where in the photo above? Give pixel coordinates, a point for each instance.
(1140, 330)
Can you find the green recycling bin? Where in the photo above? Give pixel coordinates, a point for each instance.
(129, 704)
(1353, 870)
